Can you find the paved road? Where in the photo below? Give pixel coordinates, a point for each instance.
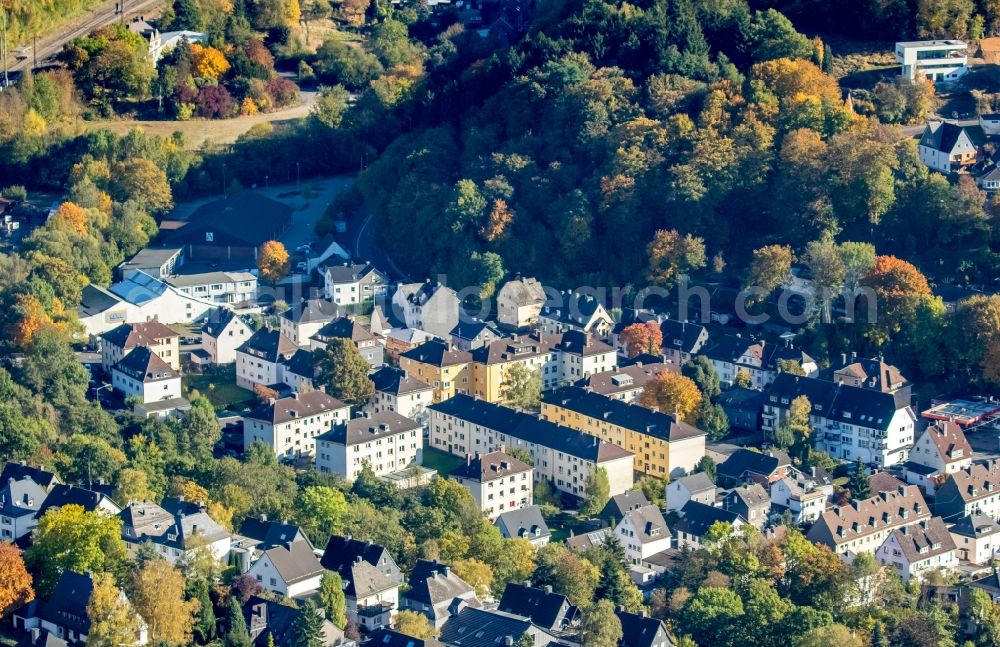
(100, 16)
(366, 247)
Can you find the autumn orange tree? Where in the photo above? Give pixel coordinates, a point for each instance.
(641, 338)
(70, 217)
(15, 581)
(496, 224)
(899, 289)
(273, 261)
(672, 393)
(209, 63)
(671, 255)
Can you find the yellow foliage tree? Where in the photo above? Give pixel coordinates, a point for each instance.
(34, 123)
(157, 591)
(672, 393)
(294, 12)
(15, 581)
(32, 317)
(70, 217)
(476, 574)
(112, 620)
(273, 261)
(414, 624)
(789, 79)
(248, 108)
(209, 63)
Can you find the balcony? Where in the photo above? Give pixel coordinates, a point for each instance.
(375, 610)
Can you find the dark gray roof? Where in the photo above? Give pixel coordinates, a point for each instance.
(432, 583)
(744, 461)
(298, 405)
(342, 553)
(577, 342)
(620, 413)
(526, 523)
(529, 428)
(619, 504)
(269, 620)
(489, 466)
(349, 272)
(480, 628)
(271, 533)
(682, 335)
(66, 606)
(63, 495)
(44, 639)
(649, 524)
(697, 518)
(269, 345)
(390, 379)
(40, 475)
(641, 631)
(217, 321)
(943, 135)
(246, 219)
(95, 300)
(20, 497)
(470, 330)
(343, 328)
(146, 366)
(389, 638)
(544, 608)
(437, 353)
(697, 482)
(302, 362)
(574, 308)
(313, 311)
(372, 427)
(172, 524)
(845, 403)
(975, 525)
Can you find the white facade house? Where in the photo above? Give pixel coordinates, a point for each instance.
(222, 334)
(948, 147)
(803, 497)
(143, 375)
(498, 482)
(259, 359)
(977, 538)
(431, 307)
(397, 392)
(148, 299)
(519, 302)
(20, 501)
(643, 533)
(305, 319)
(289, 426)
(386, 442)
(696, 487)
(123, 339)
(178, 530)
(291, 570)
(351, 284)
(919, 549)
(464, 425)
(230, 288)
(938, 60)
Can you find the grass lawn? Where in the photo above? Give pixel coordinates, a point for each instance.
(225, 394)
(562, 524)
(441, 461)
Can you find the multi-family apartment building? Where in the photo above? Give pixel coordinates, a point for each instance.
(436, 364)
(289, 426)
(386, 442)
(464, 425)
(862, 525)
(161, 340)
(971, 490)
(497, 481)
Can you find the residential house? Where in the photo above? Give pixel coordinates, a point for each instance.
(235, 227)
(863, 525)
(625, 383)
(696, 519)
(971, 490)
(176, 529)
(742, 407)
(353, 283)
(804, 496)
(272, 623)
(639, 630)
(642, 533)
(222, 334)
(290, 570)
(752, 502)
(526, 523)
(497, 481)
(17, 471)
(306, 318)
(348, 328)
(464, 425)
(545, 609)
(582, 354)
(918, 549)
(158, 262)
(473, 627)
(402, 340)
(663, 444)
(257, 534)
(574, 311)
(938, 450)
(587, 540)
(948, 147)
(977, 538)
(143, 375)
(298, 372)
(436, 592)
(432, 307)
(621, 504)
(385, 442)
(20, 501)
(371, 580)
(290, 426)
(64, 614)
(436, 364)
(469, 335)
(849, 422)
(694, 487)
(490, 364)
(398, 392)
(258, 359)
(161, 340)
(519, 302)
(682, 340)
(389, 638)
(236, 289)
(938, 60)
(732, 354)
(62, 495)
(872, 373)
(990, 584)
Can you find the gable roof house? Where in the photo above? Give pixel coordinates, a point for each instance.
(222, 334)
(977, 538)
(872, 373)
(473, 627)
(371, 579)
(526, 523)
(176, 529)
(643, 532)
(919, 549)
(257, 534)
(752, 502)
(258, 359)
(270, 622)
(352, 283)
(732, 354)
(436, 592)
(349, 329)
(497, 481)
(120, 341)
(342, 551)
(849, 422)
(948, 147)
(143, 375)
(693, 487)
(62, 495)
(974, 489)
(20, 501)
(438, 365)
(44, 478)
(306, 318)
(639, 630)
(519, 303)
(803, 495)
(625, 383)
(432, 307)
(469, 335)
(398, 392)
(696, 519)
(682, 340)
(863, 525)
(575, 311)
(938, 450)
(290, 569)
(745, 466)
(290, 426)
(234, 227)
(620, 504)
(551, 611)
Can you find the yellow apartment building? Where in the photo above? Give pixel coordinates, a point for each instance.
(435, 364)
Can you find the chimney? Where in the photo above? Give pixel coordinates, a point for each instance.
(263, 517)
(548, 588)
(854, 356)
(843, 359)
(468, 459)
